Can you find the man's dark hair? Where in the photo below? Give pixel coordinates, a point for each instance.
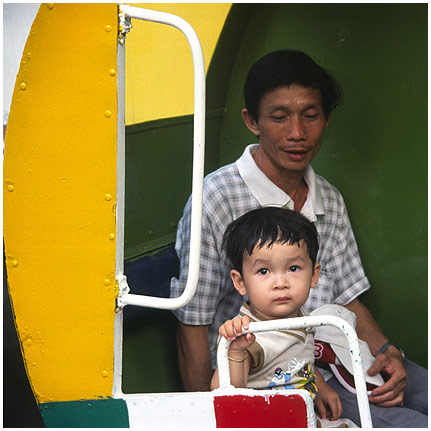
(266, 226)
(286, 67)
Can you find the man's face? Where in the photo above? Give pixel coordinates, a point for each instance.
(290, 128)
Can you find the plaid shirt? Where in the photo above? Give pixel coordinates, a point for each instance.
(236, 189)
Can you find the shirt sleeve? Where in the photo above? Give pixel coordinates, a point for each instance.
(342, 277)
(257, 357)
(350, 280)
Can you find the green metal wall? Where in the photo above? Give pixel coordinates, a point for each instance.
(374, 151)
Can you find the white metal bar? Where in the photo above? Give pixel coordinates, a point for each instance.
(119, 265)
(198, 161)
(302, 322)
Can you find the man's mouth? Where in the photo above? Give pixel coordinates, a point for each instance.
(296, 155)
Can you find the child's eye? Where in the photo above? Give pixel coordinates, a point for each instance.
(263, 271)
(294, 268)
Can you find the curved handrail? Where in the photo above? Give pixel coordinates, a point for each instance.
(126, 298)
(302, 322)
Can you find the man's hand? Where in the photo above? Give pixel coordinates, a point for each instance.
(390, 363)
(391, 393)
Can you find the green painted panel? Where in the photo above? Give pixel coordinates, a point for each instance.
(150, 361)
(375, 149)
(159, 178)
(106, 413)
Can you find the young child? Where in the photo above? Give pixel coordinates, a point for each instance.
(273, 252)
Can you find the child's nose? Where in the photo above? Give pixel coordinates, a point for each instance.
(281, 282)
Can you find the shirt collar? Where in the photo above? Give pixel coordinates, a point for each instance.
(268, 194)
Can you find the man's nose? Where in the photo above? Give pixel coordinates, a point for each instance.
(296, 130)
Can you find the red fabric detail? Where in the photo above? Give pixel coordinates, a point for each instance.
(346, 376)
(260, 411)
(323, 353)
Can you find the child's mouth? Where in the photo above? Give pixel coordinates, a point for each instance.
(282, 300)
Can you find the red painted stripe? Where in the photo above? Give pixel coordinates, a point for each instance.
(259, 411)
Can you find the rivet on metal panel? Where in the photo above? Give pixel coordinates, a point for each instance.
(107, 282)
(108, 28)
(50, 5)
(112, 72)
(14, 263)
(108, 113)
(111, 236)
(10, 188)
(105, 373)
(23, 86)
(108, 197)
(28, 342)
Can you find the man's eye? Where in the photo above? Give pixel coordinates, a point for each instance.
(278, 118)
(311, 115)
(263, 271)
(294, 268)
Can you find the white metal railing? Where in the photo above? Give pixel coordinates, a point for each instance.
(126, 298)
(302, 322)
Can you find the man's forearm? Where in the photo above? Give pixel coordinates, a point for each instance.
(194, 357)
(366, 326)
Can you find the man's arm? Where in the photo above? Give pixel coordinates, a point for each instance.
(194, 357)
(391, 362)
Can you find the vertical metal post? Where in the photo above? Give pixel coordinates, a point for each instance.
(121, 160)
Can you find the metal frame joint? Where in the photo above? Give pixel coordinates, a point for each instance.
(123, 289)
(124, 25)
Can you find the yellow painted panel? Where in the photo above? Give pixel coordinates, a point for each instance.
(59, 200)
(159, 70)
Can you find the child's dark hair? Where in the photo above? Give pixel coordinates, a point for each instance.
(266, 226)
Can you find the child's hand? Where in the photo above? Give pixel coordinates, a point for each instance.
(327, 401)
(232, 330)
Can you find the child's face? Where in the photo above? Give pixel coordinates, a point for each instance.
(277, 280)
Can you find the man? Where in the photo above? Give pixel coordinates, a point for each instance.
(289, 100)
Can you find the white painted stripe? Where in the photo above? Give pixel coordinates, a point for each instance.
(172, 410)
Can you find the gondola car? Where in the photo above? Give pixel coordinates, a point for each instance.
(71, 191)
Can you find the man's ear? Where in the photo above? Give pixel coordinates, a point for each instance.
(315, 276)
(238, 282)
(250, 122)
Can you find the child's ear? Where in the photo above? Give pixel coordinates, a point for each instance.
(315, 276)
(238, 282)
